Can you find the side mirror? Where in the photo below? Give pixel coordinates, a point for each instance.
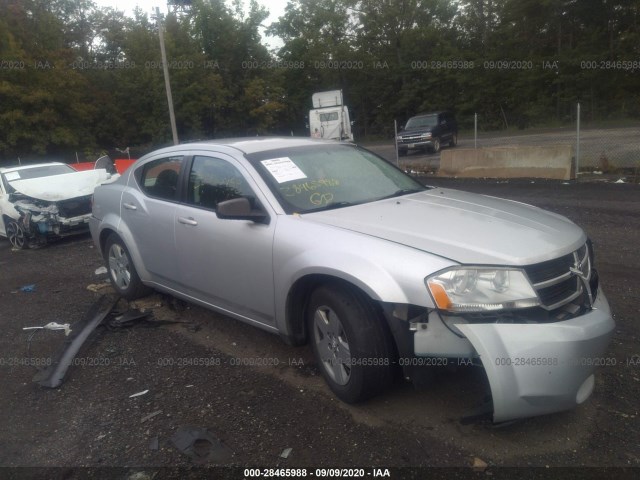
(401, 128)
(240, 209)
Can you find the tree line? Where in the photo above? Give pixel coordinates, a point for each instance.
(76, 79)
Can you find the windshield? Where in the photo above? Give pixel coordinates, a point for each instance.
(330, 176)
(424, 121)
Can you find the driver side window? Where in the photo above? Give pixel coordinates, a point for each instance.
(213, 180)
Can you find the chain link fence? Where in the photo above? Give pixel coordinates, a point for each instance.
(607, 150)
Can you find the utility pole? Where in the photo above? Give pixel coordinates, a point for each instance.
(167, 83)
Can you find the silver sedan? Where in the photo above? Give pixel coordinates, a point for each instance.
(326, 243)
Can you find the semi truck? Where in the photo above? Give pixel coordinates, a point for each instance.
(329, 117)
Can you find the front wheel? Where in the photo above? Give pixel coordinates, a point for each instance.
(350, 343)
(16, 235)
(454, 140)
(123, 275)
(436, 145)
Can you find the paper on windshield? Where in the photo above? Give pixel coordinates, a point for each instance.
(283, 169)
(11, 176)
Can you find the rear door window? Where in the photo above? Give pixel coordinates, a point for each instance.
(159, 178)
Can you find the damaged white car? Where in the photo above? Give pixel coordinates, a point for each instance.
(44, 201)
(329, 244)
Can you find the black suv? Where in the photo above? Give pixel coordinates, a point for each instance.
(428, 131)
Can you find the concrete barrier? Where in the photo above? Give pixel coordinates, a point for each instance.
(549, 161)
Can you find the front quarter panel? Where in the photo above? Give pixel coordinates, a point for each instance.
(385, 271)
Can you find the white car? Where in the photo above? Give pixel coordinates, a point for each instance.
(47, 200)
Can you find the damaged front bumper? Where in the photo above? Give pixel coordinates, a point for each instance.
(535, 369)
(53, 220)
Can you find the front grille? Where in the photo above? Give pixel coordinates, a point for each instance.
(555, 282)
(413, 139)
(75, 207)
(557, 293)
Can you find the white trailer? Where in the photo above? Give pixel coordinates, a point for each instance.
(329, 117)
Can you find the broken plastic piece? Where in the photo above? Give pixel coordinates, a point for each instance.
(286, 452)
(128, 317)
(52, 326)
(101, 271)
(139, 394)
(53, 375)
(28, 288)
(201, 445)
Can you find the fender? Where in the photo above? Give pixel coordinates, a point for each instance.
(386, 271)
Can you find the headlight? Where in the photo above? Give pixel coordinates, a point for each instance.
(481, 289)
(426, 135)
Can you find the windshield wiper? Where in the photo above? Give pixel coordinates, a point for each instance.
(331, 206)
(401, 192)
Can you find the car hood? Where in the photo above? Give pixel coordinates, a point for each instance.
(416, 131)
(464, 227)
(62, 187)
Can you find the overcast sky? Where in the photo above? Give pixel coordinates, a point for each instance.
(275, 7)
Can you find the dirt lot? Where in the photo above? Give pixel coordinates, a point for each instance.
(260, 397)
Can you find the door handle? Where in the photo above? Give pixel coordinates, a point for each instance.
(129, 206)
(187, 221)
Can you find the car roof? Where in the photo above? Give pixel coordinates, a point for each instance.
(426, 114)
(249, 145)
(34, 165)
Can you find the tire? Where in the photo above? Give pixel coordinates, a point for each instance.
(454, 140)
(436, 145)
(350, 342)
(122, 273)
(16, 235)
(402, 153)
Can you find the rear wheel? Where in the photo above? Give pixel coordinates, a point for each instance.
(123, 275)
(16, 235)
(350, 342)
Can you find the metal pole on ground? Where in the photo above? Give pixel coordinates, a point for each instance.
(395, 138)
(578, 141)
(475, 130)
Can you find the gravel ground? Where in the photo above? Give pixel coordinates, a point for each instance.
(260, 397)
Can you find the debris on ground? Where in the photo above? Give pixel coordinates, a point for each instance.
(128, 318)
(286, 452)
(139, 394)
(151, 415)
(201, 445)
(99, 287)
(154, 443)
(53, 375)
(28, 288)
(479, 465)
(101, 271)
(52, 326)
